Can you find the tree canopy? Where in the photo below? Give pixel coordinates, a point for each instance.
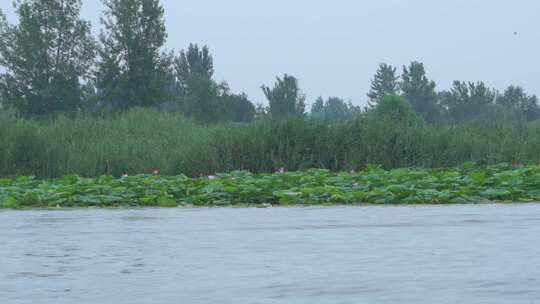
(133, 69)
(334, 109)
(420, 91)
(47, 56)
(50, 63)
(285, 98)
(385, 82)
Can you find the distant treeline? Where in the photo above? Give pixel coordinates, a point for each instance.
(51, 64)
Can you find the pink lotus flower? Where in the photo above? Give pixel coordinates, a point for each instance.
(281, 170)
(125, 175)
(211, 177)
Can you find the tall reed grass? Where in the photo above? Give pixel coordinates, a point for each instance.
(142, 140)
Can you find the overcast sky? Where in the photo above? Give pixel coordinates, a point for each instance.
(334, 47)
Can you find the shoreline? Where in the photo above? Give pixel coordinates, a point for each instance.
(254, 206)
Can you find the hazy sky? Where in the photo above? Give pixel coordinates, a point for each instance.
(333, 47)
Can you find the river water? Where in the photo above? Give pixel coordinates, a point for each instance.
(429, 254)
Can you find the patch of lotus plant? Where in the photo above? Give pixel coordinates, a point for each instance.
(459, 185)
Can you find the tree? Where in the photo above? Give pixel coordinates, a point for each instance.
(133, 69)
(199, 93)
(202, 100)
(468, 101)
(285, 98)
(201, 96)
(334, 109)
(388, 130)
(238, 108)
(420, 91)
(517, 99)
(46, 58)
(396, 111)
(191, 66)
(385, 82)
(318, 106)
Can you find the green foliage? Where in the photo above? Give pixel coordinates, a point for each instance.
(44, 57)
(395, 111)
(385, 82)
(285, 98)
(392, 128)
(142, 140)
(203, 98)
(48, 66)
(334, 110)
(238, 108)
(515, 98)
(420, 91)
(203, 102)
(465, 184)
(469, 101)
(191, 66)
(199, 93)
(133, 70)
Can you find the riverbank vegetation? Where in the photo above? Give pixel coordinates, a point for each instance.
(73, 108)
(143, 140)
(465, 184)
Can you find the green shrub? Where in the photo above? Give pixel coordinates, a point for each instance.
(396, 111)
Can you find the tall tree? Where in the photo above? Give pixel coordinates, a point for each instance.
(193, 65)
(420, 91)
(199, 93)
(285, 98)
(385, 82)
(46, 58)
(200, 96)
(133, 69)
